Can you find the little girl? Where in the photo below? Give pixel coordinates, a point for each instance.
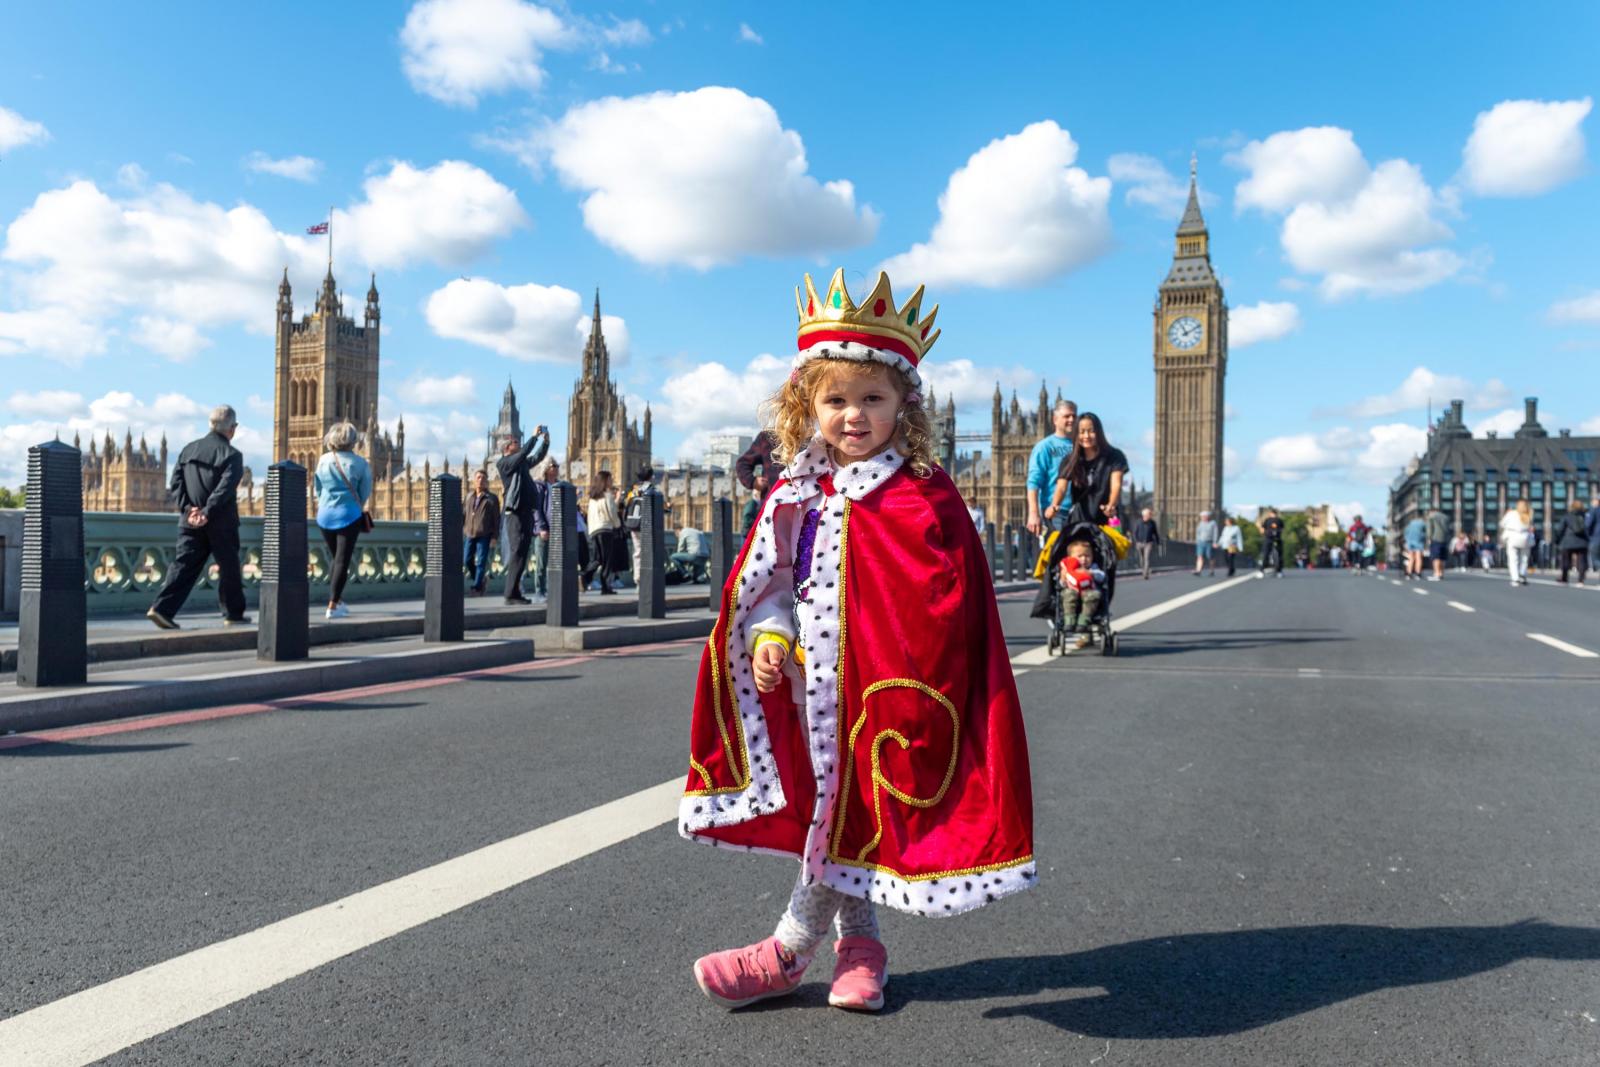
(855, 707)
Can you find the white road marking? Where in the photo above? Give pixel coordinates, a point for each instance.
(1018, 672)
(1035, 657)
(1420, 592)
(1311, 672)
(1556, 642)
(92, 1024)
(1459, 606)
(1395, 581)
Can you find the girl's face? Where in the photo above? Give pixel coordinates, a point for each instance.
(1088, 440)
(855, 412)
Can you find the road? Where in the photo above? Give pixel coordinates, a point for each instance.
(1327, 819)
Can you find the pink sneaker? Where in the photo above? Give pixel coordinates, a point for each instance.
(735, 977)
(860, 974)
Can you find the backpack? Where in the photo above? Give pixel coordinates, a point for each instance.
(633, 518)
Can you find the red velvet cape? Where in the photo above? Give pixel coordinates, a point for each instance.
(934, 809)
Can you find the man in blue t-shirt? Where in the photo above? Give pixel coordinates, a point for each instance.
(1045, 460)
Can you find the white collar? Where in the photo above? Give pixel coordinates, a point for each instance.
(854, 481)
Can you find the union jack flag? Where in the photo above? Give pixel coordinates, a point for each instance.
(321, 227)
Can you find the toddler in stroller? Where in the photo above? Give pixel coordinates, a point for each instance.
(1079, 566)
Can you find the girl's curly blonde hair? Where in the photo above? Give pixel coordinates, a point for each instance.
(791, 421)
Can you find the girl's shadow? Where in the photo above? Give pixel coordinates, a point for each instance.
(1205, 985)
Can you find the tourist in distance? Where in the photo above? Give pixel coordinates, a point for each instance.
(1046, 459)
(1572, 542)
(1438, 542)
(1146, 536)
(544, 490)
(1591, 530)
(1516, 536)
(520, 507)
(343, 484)
(1272, 542)
(1205, 536)
(782, 756)
(1486, 552)
(605, 523)
(1231, 542)
(1416, 540)
(205, 490)
(1356, 544)
(480, 527)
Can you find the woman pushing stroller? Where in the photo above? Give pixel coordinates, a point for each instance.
(1093, 471)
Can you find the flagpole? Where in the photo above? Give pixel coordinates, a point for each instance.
(330, 238)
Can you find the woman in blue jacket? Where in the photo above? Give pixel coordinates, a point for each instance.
(343, 483)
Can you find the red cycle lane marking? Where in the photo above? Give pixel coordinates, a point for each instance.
(182, 718)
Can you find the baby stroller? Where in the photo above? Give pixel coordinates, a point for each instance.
(1051, 605)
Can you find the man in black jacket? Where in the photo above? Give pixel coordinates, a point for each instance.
(758, 462)
(524, 517)
(204, 488)
(1146, 536)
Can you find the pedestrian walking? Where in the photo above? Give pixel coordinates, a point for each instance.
(604, 525)
(1045, 460)
(543, 491)
(1146, 536)
(522, 517)
(1438, 542)
(1516, 535)
(1231, 542)
(638, 498)
(1572, 543)
(343, 483)
(1356, 544)
(933, 673)
(481, 526)
(1486, 553)
(1416, 540)
(1591, 530)
(1092, 472)
(204, 488)
(1272, 542)
(1205, 536)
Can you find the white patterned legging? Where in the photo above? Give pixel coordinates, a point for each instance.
(804, 925)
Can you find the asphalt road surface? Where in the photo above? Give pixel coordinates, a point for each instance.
(1328, 819)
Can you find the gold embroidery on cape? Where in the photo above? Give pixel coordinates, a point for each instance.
(880, 784)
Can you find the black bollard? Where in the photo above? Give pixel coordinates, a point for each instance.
(444, 585)
(989, 550)
(53, 636)
(561, 569)
(722, 549)
(652, 560)
(284, 628)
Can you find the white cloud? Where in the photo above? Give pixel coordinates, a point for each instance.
(1585, 308)
(449, 213)
(749, 36)
(458, 50)
(623, 33)
(1363, 229)
(700, 178)
(1525, 147)
(1017, 213)
(1423, 387)
(427, 391)
(16, 131)
(692, 447)
(1265, 321)
(973, 385)
(295, 168)
(1347, 510)
(539, 323)
(47, 403)
(710, 394)
(161, 268)
(436, 438)
(1150, 183)
(1589, 426)
(1504, 422)
(1373, 455)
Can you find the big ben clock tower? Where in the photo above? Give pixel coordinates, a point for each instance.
(1191, 355)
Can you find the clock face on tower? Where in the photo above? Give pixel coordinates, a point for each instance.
(1184, 333)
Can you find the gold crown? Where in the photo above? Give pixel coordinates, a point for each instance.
(875, 322)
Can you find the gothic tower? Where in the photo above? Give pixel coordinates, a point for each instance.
(599, 435)
(507, 430)
(327, 372)
(1191, 363)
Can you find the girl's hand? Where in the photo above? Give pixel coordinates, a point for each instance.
(769, 659)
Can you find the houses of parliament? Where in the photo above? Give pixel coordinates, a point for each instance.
(326, 364)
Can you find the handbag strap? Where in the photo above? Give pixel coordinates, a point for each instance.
(345, 478)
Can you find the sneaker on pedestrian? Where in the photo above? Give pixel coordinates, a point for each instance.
(242, 620)
(735, 977)
(860, 974)
(518, 600)
(338, 611)
(163, 621)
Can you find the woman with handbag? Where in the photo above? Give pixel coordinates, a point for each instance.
(604, 525)
(343, 483)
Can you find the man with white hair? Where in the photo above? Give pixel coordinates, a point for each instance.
(1205, 536)
(204, 488)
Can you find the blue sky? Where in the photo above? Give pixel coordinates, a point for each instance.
(1402, 206)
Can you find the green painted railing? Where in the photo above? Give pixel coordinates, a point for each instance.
(126, 558)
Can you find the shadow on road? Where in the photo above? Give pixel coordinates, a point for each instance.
(1206, 985)
(1168, 643)
(64, 748)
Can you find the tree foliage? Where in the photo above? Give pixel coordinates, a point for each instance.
(9, 499)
